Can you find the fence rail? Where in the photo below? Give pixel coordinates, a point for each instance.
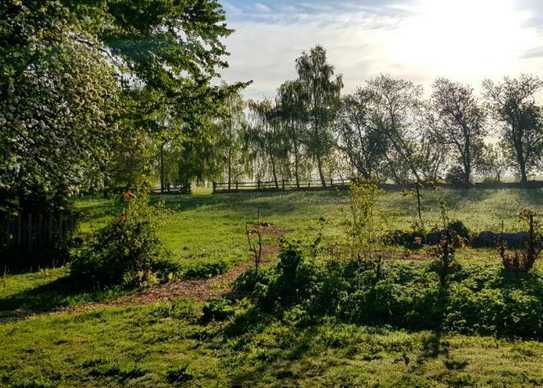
(282, 185)
(310, 185)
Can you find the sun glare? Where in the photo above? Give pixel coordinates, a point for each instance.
(463, 38)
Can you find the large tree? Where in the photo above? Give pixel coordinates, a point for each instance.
(395, 105)
(291, 110)
(234, 127)
(359, 138)
(461, 123)
(514, 104)
(59, 105)
(322, 93)
(64, 66)
(267, 140)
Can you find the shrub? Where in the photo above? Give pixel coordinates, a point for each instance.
(218, 310)
(455, 176)
(205, 270)
(126, 251)
(477, 299)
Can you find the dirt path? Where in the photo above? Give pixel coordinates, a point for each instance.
(198, 290)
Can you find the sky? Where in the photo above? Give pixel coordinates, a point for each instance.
(419, 40)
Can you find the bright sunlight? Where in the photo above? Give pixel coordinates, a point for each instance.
(463, 37)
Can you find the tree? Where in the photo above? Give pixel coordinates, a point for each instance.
(395, 104)
(59, 104)
(358, 138)
(322, 94)
(290, 102)
(513, 103)
(65, 66)
(429, 152)
(267, 139)
(234, 126)
(461, 123)
(493, 162)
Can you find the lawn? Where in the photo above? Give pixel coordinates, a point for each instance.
(166, 344)
(163, 343)
(212, 227)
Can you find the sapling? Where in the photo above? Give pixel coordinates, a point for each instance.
(254, 240)
(445, 250)
(364, 231)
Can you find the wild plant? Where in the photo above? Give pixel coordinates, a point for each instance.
(523, 260)
(254, 240)
(444, 252)
(364, 228)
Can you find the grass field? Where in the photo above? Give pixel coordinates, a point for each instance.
(163, 343)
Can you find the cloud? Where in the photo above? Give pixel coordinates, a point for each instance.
(367, 37)
(534, 53)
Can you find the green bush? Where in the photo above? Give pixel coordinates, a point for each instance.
(218, 310)
(125, 252)
(205, 270)
(477, 299)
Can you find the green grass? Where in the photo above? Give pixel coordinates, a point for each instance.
(209, 227)
(160, 345)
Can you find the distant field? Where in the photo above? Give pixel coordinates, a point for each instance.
(212, 227)
(156, 345)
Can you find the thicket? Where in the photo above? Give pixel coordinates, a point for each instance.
(477, 299)
(126, 252)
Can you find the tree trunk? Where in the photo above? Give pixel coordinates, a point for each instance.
(321, 173)
(296, 165)
(274, 172)
(521, 160)
(162, 174)
(229, 169)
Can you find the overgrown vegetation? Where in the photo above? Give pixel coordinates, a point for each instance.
(478, 299)
(125, 252)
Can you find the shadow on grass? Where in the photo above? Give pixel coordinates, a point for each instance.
(533, 197)
(56, 295)
(248, 204)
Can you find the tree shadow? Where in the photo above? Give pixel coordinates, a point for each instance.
(533, 197)
(250, 204)
(60, 293)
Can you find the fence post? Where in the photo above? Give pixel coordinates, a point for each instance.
(283, 184)
(258, 184)
(214, 187)
(237, 186)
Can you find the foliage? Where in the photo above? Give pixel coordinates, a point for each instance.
(126, 251)
(456, 176)
(513, 104)
(362, 141)
(364, 229)
(479, 299)
(493, 163)
(217, 310)
(205, 270)
(523, 261)
(461, 124)
(59, 103)
(321, 94)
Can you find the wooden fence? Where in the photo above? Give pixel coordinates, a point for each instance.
(343, 184)
(31, 239)
(183, 189)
